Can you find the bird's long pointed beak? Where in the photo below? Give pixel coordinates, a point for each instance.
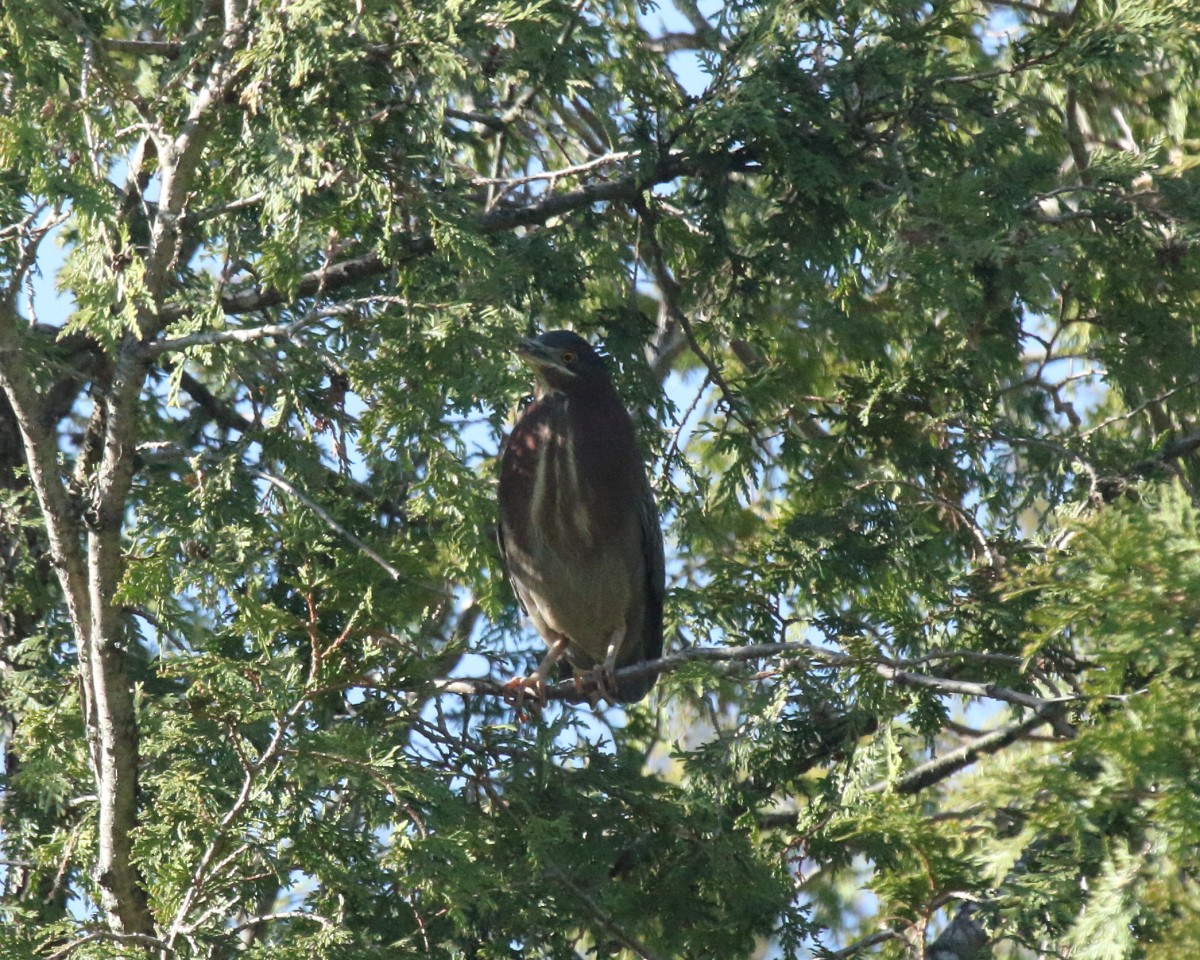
(533, 354)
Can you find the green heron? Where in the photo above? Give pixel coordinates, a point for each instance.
(579, 530)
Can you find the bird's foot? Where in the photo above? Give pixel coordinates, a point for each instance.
(603, 676)
(596, 684)
(518, 689)
(522, 692)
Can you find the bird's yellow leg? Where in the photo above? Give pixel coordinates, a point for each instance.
(518, 688)
(602, 676)
(614, 647)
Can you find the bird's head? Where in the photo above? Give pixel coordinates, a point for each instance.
(564, 363)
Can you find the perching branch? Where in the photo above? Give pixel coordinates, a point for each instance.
(730, 659)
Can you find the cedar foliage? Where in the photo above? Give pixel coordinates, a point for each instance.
(904, 296)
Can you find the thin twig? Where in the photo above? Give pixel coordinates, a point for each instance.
(1033, 8)
(283, 915)
(327, 518)
(170, 49)
(1134, 411)
(555, 175)
(599, 913)
(140, 939)
(673, 446)
(933, 499)
(209, 213)
(606, 919)
(669, 288)
(858, 946)
(244, 335)
(205, 865)
(1008, 71)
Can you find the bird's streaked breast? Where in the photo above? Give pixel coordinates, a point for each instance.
(572, 506)
(558, 506)
(544, 452)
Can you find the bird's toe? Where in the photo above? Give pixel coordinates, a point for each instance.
(598, 684)
(523, 693)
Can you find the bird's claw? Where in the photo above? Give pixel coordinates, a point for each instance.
(517, 692)
(596, 684)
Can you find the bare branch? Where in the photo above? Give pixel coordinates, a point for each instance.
(939, 768)
(170, 49)
(1139, 408)
(1180, 447)
(1074, 135)
(180, 158)
(1034, 9)
(1050, 708)
(113, 722)
(866, 943)
(246, 335)
(555, 175)
(691, 10)
(346, 272)
(1110, 487)
(527, 96)
(278, 331)
(120, 89)
(486, 120)
(669, 288)
(210, 213)
(98, 627)
(283, 915)
(1008, 71)
(217, 410)
(134, 939)
(41, 457)
(675, 42)
(605, 919)
(33, 234)
(933, 771)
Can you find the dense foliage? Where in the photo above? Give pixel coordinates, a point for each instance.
(904, 298)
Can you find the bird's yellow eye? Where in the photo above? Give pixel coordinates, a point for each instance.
(569, 356)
